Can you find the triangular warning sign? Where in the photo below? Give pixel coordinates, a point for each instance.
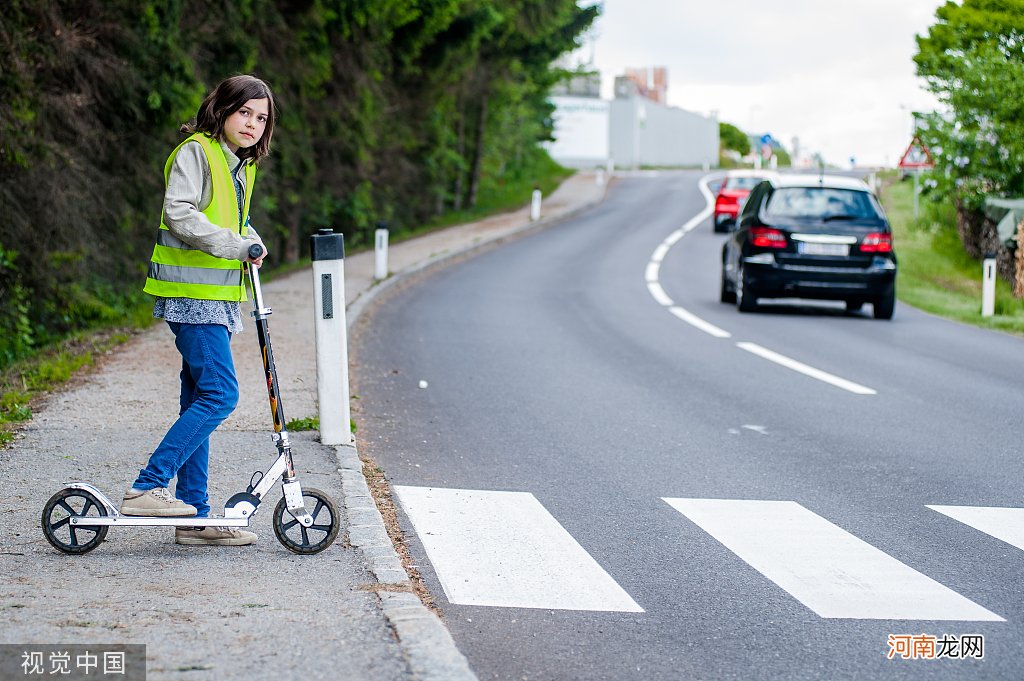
(917, 156)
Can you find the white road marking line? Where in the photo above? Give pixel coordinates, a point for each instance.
(504, 549)
(1005, 524)
(695, 321)
(829, 570)
(659, 252)
(658, 293)
(674, 237)
(806, 370)
(654, 266)
(709, 200)
(696, 220)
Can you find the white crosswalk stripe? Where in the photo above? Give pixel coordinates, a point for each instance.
(505, 549)
(1006, 524)
(829, 570)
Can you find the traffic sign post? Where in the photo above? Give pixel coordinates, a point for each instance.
(915, 159)
(917, 193)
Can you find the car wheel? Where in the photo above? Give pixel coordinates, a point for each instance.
(854, 305)
(726, 295)
(885, 305)
(745, 302)
(719, 223)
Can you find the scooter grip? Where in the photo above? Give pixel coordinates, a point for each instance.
(255, 251)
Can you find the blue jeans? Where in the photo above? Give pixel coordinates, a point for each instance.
(209, 393)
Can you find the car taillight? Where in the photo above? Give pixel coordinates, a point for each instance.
(766, 237)
(725, 200)
(877, 242)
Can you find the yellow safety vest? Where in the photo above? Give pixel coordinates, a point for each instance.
(178, 270)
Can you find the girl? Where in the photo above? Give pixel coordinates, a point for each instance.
(196, 275)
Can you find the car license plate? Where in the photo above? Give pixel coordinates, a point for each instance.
(823, 249)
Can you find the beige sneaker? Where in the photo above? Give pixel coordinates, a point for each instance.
(213, 536)
(155, 502)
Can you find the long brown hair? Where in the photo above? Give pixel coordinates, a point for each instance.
(227, 98)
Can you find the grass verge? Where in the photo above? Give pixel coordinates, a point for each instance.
(936, 274)
(23, 384)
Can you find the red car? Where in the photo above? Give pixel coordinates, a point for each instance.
(733, 193)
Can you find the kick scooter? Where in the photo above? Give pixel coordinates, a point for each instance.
(76, 519)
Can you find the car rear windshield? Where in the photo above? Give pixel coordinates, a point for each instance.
(822, 203)
(746, 183)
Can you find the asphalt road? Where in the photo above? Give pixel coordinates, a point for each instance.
(595, 488)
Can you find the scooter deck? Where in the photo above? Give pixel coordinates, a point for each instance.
(115, 517)
(156, 521)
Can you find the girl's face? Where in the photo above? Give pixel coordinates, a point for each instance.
(245, 127)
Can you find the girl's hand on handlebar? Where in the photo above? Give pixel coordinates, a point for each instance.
(257, 262)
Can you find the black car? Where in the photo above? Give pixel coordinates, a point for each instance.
(811, 236)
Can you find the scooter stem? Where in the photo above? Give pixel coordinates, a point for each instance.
(260, 314)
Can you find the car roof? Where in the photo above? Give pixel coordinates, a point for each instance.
(826, 181)
(765, 174)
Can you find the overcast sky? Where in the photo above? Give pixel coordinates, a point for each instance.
(838, 74)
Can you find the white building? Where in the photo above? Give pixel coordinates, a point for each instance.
(581, 131)
(631, 131)
(645, 133)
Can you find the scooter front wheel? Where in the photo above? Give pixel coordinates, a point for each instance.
(312, 539)
(57, 514)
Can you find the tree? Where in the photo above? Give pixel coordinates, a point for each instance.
(733, 138)
(972, 60)
(513, 72)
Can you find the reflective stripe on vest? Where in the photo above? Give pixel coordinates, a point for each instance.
(178, 270)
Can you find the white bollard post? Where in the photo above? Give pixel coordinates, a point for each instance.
(327, 251)
(917, 195)
(988, 286)
(599, 177)
(707, 165)
(380, 261)
(535, 206)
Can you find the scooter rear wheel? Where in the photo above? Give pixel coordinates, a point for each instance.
(313, 539)
(57, 527)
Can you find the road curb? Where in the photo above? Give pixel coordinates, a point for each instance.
(430, 650)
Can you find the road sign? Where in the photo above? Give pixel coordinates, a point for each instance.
(917, 156)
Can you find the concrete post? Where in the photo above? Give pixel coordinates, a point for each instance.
(380, 252)
(988, 285)
(535, 206)
(327, 251)
(917, 194)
